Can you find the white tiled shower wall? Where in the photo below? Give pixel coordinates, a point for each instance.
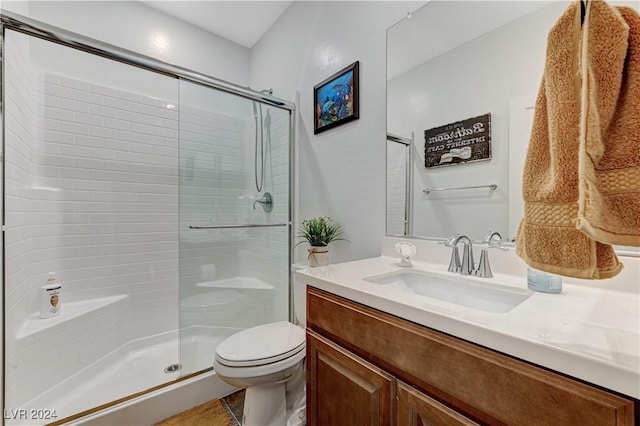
(93, 194)
(100, 210)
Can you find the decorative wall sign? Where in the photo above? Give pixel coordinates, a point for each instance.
(460, 142)
(336, 99)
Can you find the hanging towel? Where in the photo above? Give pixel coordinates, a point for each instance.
(609, 156)
(547, 237)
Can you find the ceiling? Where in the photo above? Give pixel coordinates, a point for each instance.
(243, 22)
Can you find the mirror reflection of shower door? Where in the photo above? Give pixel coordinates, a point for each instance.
(399, 164)
(234, 254)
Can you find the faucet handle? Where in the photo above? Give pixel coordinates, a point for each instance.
(452, 241)
(491, 237)
(484, 269)
(454, 263)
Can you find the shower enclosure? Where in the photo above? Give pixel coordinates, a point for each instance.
(135, 182)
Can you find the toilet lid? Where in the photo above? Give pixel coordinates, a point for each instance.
(261, 345)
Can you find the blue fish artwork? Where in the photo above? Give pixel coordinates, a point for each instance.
(335, 99)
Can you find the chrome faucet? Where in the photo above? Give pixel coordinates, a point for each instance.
(466, 267)
(266, 201)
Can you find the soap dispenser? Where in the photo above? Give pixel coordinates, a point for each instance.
(50, 297)
(406, 250)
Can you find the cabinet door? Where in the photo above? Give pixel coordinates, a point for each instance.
(343, 389)
(418, 409)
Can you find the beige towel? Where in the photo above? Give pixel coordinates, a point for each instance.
(547, 238)
(609, 156)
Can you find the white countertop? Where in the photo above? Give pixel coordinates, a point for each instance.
(591, 333)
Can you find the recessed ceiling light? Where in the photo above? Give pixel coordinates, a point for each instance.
(160, 42)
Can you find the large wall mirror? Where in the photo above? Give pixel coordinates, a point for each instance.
(451, 61)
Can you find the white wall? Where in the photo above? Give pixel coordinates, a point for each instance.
(342, 170)
(147, 31)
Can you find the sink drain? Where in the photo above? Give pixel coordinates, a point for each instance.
(172, 368)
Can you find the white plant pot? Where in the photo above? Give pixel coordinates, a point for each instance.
(318, 256)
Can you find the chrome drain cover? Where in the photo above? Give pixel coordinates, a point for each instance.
(172, 368)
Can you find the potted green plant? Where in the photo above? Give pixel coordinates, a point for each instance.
(319, 232)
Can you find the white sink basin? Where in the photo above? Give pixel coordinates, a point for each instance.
(459, 290)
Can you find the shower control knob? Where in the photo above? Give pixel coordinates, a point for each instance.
(266, 201)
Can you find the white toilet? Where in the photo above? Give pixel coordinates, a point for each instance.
(267, 360)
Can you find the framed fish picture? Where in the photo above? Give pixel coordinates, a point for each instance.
(336, 99)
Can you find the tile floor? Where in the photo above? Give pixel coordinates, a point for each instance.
(223, 412)
(234, 404)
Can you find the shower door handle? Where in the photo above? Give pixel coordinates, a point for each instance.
(267, 225)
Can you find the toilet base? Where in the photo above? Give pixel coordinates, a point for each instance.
(265, 406)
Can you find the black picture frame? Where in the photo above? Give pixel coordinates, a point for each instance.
(462, 142)
(336, 99)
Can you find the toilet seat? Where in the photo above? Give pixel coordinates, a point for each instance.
(261, 345)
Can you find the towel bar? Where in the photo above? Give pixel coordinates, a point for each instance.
(270, 225)
(493, 186)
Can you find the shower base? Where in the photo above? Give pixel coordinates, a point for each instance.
(135, 367)
(161, 404)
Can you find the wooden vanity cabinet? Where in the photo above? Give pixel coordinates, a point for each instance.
(362, 394)
(346, 390)
(366, 367)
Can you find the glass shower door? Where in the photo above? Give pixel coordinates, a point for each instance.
(234, 216)
(90, 194)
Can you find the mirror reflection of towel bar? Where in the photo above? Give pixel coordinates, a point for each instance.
(493, 186)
